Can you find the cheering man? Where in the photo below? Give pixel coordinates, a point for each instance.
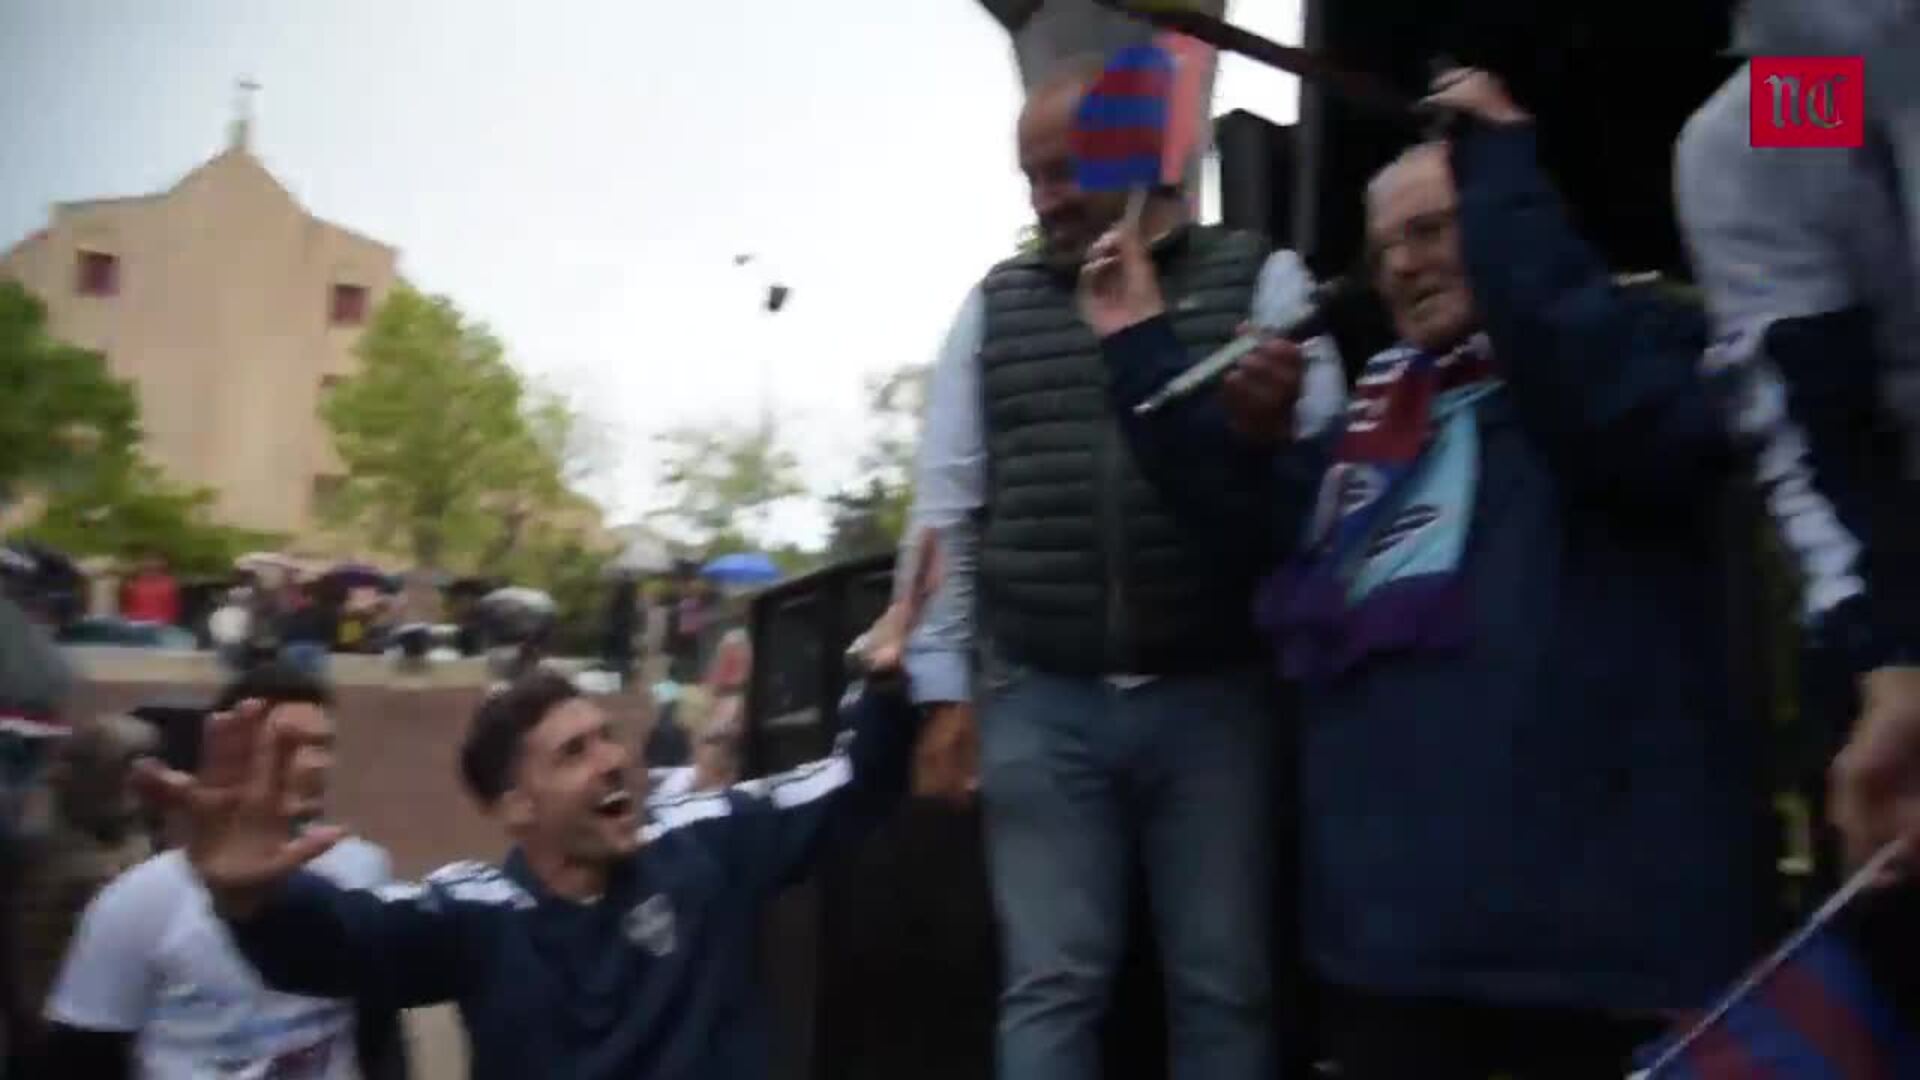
(599, 949)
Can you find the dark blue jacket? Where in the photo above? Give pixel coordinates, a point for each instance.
(1560, 813)
(657, 980)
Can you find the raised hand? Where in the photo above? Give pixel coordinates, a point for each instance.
(946, 757)
(1118, 284)
(241, 835)
(1479, 94)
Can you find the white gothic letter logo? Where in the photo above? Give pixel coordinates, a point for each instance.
(650, 925)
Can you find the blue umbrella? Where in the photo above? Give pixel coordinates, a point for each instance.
(745, 568)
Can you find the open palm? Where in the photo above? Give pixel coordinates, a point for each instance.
(239, 836)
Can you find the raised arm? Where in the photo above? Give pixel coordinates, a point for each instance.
(1607, 382)
(772, 830)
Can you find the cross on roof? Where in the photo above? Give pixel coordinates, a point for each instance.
(242, 129)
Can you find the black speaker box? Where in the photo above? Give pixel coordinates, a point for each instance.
(885, 963)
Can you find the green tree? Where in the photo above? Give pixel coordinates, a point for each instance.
(870, 515)
(72, 437)
(859, 522)
(136, 512)
(720, 482)
(563, 452)
(435, 432)
(65, 421)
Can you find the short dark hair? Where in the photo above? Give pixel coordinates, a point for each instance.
(272, 683)
(492, 747)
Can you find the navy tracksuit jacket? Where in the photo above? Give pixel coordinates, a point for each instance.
(655, 981)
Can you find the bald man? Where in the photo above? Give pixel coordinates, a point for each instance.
(1123, 716)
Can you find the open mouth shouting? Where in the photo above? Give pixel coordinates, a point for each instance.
(616, 805)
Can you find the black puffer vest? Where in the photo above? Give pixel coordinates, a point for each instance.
(1082, 570)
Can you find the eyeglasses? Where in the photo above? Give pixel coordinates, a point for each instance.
(1421, 232)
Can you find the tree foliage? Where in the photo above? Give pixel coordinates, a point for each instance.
(869, 516)
(72, 436)
(720, 482)
(448, 454)
(65, 421)
(136, 512)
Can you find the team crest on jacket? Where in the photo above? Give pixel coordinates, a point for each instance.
(650, 925)
(1404, 526)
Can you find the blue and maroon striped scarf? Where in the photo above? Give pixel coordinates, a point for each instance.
(1379, 570)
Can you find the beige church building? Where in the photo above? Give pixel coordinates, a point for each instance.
(230, 308)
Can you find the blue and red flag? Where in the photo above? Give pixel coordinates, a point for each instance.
(1818, 1016)
(1188, 104)
(1119, 136)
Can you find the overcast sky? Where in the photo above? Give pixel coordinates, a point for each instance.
(580, 175)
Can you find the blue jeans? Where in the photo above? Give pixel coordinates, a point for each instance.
(1079, 777)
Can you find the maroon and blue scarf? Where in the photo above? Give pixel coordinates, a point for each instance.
(1379, 570)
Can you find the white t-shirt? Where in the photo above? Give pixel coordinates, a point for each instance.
(152, 958)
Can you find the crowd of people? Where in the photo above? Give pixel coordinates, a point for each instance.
(1487, 571)
(272, 607)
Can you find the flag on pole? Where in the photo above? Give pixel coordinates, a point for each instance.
(1814, 1008)
(1189, 127)
(1119, 135)
(1819, 1015)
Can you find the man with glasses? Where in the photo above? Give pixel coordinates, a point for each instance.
(1527, 809)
